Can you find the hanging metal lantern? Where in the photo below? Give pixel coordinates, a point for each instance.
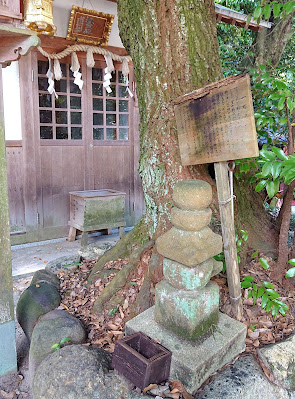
(38, 16)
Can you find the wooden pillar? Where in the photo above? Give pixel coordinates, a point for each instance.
(8, 362)
(228, 235)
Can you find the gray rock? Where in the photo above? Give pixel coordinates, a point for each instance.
(51, 329)
(34, 302)
(280, 359)
(47, 276)
(187, 278)
(63, 263)
(78, 372)
(217, 267)
(192, 195)
(96, 250)
(243, 380)
(190, 220)
(189, 247)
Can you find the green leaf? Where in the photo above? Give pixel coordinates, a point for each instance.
(219, 257)
(264, 301)
(281, 103)
(254, 254)
(289, 7)
(275, 310)
(246, 284)
(266, 169)
(268, 155)
(272, 293)
(276, 183)
(290, 176)
(292, 262)
(133, 283)
(276, 169)
(279, 153)
(264, 263)
(260, 186)
(267, 284)
(245, 235)
(55, 347)
(254, 296)
(248, 278)
(113, 311)
(64, 340)
(290, 104)
(248, 19)
(270, 188)
(268, 306)
(276, 9)
(282, 304)
(282, 311)
(239, 243)
(250, 294)
(260, 292)
(267, 11)
(290, 272)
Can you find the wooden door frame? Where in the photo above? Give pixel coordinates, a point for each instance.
(28, 70)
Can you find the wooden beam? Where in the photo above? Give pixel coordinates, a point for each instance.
(15, 42)
(228, 235)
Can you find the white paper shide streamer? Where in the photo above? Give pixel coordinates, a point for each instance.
(108, 74)
(49, 75)
(90, 62)
(75, 66)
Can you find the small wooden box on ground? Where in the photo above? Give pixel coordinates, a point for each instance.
(95, 210)
(142, 360)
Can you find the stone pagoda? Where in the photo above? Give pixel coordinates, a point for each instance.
(187, 302)
(186, 318)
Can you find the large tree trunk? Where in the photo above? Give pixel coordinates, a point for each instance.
(269, 45)
(174, 50)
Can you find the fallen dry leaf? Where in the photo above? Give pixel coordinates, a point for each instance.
(7, 395)
(179, 386)
(151, 386)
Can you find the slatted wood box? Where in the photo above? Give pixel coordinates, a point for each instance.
(94, 210)
(141, 360)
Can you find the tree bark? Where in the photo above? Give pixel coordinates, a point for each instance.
(269, 45)
(174, 49)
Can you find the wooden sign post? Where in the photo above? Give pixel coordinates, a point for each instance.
(216, 124)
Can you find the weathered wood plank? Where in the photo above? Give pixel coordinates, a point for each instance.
(216, 123)
(228, 235)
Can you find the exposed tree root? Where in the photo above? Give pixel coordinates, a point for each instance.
(121, 278)
(135, 239)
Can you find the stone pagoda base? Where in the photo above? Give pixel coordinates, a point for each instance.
(193, 362)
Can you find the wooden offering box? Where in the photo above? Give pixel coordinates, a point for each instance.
(141, 360)
(94, 210)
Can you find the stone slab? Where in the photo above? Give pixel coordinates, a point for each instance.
(193, 362)
(242, 380)
(8, 362)
(280, 359)
(189, 314)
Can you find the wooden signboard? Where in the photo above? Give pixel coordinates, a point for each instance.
(216, 123)
(89, 26)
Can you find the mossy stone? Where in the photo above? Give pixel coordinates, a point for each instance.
(35, 301)
(187, 278)
(192, 195)
(45, 276)
(189, 314)
(190, 220)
